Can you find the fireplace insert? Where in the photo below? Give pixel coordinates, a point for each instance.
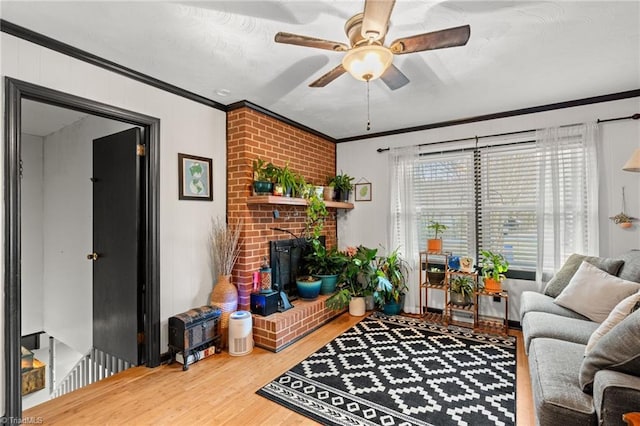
(287, 263)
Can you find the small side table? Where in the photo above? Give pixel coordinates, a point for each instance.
(502, 327)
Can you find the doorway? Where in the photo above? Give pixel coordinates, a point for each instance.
(15, 92)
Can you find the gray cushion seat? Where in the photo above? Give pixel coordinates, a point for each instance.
(532, 301)
(559, 400)
(543, 324)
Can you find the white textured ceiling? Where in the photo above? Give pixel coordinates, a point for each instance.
(520, 54)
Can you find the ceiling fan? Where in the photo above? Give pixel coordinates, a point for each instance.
(368, 58)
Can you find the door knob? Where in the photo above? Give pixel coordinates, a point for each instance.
(92, 256)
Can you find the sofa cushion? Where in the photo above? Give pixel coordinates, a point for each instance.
(618, 313)
(630, 270)
(542, 324)
(532, 301)
(615, 394)
(594, 293)
(618, 350)
(561, 279)
(554, 366)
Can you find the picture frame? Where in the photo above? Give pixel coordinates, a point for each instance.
(363, 191)
(195, 178)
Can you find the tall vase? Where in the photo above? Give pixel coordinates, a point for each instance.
(225, 296)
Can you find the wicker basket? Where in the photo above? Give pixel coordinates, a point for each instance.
(225, 296)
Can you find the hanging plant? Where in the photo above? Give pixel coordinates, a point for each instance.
(622, 219)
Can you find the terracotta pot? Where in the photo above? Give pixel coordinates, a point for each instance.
(434, 245)
(625, 225)
(492, 286)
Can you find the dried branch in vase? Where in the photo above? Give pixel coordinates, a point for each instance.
(225, 245)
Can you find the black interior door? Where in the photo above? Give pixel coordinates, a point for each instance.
(117, 276)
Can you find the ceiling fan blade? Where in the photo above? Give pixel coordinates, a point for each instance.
(376, 18)
(300, 40)
(329, 77)
(450, 37)
(394, 78)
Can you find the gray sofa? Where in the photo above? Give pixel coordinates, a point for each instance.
(568, 387)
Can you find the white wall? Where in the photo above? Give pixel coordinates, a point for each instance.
(68, 228)
(186, 126)
(619, 139)
(32, 235)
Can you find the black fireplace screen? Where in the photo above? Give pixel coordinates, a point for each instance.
(287, 263)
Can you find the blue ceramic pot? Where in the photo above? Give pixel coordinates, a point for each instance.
(329, 282)
(392, 308)
(309, 289)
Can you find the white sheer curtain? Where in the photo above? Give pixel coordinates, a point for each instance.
(404, 223)
(568, 195)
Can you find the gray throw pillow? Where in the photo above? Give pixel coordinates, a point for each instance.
(560, 280)
(630, 270)
(618, 350)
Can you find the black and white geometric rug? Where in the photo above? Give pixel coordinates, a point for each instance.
(394, 370)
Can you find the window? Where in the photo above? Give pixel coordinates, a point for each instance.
(488, 197)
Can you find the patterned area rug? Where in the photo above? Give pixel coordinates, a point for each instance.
(394, 370)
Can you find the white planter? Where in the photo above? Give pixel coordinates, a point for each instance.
(357, 307)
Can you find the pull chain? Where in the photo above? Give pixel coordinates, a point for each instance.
(368, 108)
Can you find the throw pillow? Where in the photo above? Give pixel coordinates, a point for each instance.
(561, 279)
(619, 313)
(618, 350)
(594, 293)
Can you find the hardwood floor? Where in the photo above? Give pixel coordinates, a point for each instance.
(219, 390)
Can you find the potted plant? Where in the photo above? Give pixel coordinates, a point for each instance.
(359, 277)
(284, 181)
(308, 287)
(395, 269)
(329, 193)
(326, 264)
(342, 184)
(263, 176)
(462, 288)
(494, 265)
(434, 245)
(435, 275)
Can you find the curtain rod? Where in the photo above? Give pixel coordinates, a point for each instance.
(633, 117)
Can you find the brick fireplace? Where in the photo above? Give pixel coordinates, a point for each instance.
(252, 134)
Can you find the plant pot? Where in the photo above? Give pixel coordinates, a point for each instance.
(434, 245)
(329, 282)
(357, 307)
(342, 195)
(435, 278)
(309, 287)
(492, 286)
(459, 299)
(278, 189)
(392, 308)
(262, 187)
(329, 193)
(625, 225)
(319, 191)
(369, 302)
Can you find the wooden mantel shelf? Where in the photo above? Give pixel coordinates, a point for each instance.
(290, 201)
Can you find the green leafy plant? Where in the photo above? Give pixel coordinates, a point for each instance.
(342, 182)
(323, 261)
(263, 172)
(494, 265)
(316, 215)
(286, 178)
(464, 285)
(437, 228)
(360, 277)
(395, 269)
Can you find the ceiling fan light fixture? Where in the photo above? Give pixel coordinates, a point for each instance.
(368, 62)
